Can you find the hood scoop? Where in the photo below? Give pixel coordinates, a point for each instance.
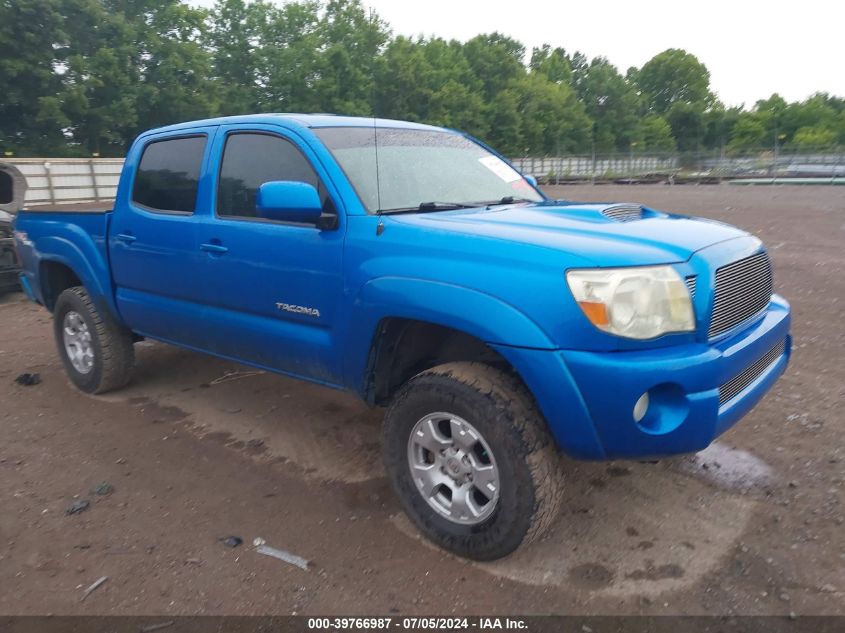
(623, 212)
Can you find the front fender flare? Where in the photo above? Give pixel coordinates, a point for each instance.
(475, 313)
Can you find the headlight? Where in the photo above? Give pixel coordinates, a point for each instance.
(638, 303)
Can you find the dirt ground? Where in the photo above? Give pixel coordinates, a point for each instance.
(194, 452)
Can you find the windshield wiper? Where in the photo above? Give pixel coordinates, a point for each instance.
(505, 200)
(429, 206)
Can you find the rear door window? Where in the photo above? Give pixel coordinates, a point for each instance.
(168, 175)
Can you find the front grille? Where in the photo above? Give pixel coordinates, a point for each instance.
(690, 282)
(624, 212)
(730, 389)
(742, 289)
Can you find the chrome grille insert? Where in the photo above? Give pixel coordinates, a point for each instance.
(730, 389)
(742, 289)
(624, 212)
(690, 282)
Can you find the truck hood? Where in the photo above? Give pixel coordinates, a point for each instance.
(603, 234)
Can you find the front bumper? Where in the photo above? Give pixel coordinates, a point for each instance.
(588, 397)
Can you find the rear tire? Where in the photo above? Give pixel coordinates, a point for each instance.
(96, 351)
(486, 437)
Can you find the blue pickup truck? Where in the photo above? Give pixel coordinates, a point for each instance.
(415, 267)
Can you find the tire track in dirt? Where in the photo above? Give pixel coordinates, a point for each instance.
(328, 435)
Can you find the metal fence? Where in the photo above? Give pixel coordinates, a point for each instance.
(71, 180)
(683, 166)
(562, 168)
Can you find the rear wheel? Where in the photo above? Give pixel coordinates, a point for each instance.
(469, 456)
(96, 351)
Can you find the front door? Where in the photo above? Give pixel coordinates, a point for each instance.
(273, 288)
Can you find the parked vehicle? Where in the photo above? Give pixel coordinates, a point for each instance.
(415, 267)
(12, 192)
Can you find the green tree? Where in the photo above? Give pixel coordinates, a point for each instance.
(687, 123)
(176, 65)
(454, 105)
(839, 126)
(653, 133)
(403, 85)
(718, 123)
(131, 65)
(674, 76)
(554, 64)
(496, 60)
(289, 58)
(506, 123)
(84, 76)
(237, 35)
(101, 77)
(773, 114)
(553, 120)
(817, 137)
(816, 111)
(31, 37)
(749, 133)
(611, 102)
(431, 81)
(352, 39)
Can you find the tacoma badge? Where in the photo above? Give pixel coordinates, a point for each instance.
(289, 307)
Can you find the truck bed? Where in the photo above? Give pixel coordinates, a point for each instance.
(79, 207)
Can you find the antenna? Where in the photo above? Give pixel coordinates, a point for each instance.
(378, 181)
(374, 101)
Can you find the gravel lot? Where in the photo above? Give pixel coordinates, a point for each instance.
(195, 452)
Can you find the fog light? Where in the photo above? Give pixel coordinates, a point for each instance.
(641, 407)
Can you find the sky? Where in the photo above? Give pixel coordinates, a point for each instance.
(751, 47)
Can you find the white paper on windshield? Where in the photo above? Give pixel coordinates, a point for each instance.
(500, 168)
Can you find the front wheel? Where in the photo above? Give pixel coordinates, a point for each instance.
(96, 351)
(470, 458)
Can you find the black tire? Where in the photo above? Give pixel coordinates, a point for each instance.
(113, 353)
(503, 412)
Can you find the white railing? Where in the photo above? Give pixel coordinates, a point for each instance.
(69, 180)
(582, 167)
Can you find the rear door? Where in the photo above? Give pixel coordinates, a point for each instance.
(156, 262)
(273, 287)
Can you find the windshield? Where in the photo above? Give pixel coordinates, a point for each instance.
(423, 170)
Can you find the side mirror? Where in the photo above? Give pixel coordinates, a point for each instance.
(288, 201)
(531, 180)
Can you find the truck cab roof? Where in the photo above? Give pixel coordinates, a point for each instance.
(314, 120)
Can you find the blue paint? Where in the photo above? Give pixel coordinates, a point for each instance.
(284, 201)
(306, 300)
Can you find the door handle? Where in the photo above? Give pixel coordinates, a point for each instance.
(217, 249)
(126, 238)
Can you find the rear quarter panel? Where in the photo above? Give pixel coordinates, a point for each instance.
(77, 240)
